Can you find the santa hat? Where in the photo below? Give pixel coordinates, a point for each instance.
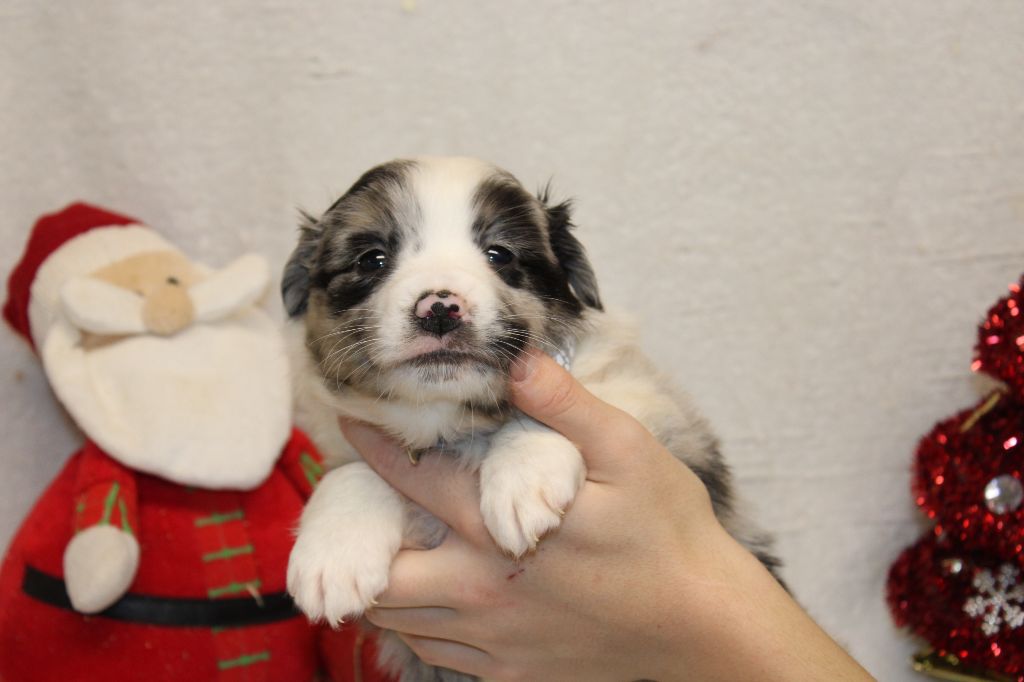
(77, 240)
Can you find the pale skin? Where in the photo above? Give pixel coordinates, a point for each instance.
(639, 582)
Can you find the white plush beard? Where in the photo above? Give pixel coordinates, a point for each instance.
(209, 406)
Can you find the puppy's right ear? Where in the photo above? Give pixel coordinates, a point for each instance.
(296, 279)
(570, 253)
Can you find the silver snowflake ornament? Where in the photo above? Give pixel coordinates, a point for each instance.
(999, 600)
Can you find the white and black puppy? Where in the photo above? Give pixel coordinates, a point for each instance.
(413, 294)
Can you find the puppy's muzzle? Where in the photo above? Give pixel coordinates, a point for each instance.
(440, 312)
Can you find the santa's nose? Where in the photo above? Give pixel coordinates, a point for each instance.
(439, 312)
(168, 308)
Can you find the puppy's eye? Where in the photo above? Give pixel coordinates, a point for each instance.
(498, 255)
(372, 261)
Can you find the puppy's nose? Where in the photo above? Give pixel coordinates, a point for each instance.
(439, 312)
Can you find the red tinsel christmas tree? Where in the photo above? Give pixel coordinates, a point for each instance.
(961, 586)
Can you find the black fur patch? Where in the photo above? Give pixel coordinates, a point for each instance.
(570, 252)
(295, 281)
(392, 172)
(366, 217)
(509, 216)
(716, 478)
(337, 269)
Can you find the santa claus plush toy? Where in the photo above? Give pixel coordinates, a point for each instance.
(159, 552)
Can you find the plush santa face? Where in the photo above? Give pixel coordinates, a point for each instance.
(172, 370)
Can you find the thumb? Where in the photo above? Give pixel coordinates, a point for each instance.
(608, 438)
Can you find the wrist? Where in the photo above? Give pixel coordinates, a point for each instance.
(749, 627)
(701, 612)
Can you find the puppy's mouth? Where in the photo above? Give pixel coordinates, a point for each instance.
(445, 356)
(428, 352)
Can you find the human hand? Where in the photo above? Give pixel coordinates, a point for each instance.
(640, 580)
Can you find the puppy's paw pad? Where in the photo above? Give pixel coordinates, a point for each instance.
(333, 584)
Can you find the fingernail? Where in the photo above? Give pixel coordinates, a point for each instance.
(523, 366)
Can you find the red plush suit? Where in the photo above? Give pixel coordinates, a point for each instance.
(199, 548)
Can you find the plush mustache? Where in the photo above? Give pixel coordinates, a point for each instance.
(99, 307)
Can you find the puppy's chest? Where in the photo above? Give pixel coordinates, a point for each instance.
(467, 439)
(457, 429)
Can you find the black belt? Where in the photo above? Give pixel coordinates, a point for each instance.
(169, 611)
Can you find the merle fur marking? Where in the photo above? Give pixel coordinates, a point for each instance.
(363, 209)
(570, 252)
(549, 260)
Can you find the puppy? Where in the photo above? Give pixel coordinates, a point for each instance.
(414, 293)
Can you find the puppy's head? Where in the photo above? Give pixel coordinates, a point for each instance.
(429, 277)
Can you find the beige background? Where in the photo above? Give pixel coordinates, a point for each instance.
(808, 204)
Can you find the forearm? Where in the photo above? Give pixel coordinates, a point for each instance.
(758, 630)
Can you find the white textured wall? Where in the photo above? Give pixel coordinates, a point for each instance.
(809, 204)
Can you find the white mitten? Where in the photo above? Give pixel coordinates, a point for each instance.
(99, 565)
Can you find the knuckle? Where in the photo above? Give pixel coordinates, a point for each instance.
(561, 396)
(632, 433)
(471, 525)
(381, 461)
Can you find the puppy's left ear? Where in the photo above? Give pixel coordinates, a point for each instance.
(296, 280)
(570, 252)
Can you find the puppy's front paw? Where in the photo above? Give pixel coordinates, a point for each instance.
(526, 482)
(335, 581)
(350, 532)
